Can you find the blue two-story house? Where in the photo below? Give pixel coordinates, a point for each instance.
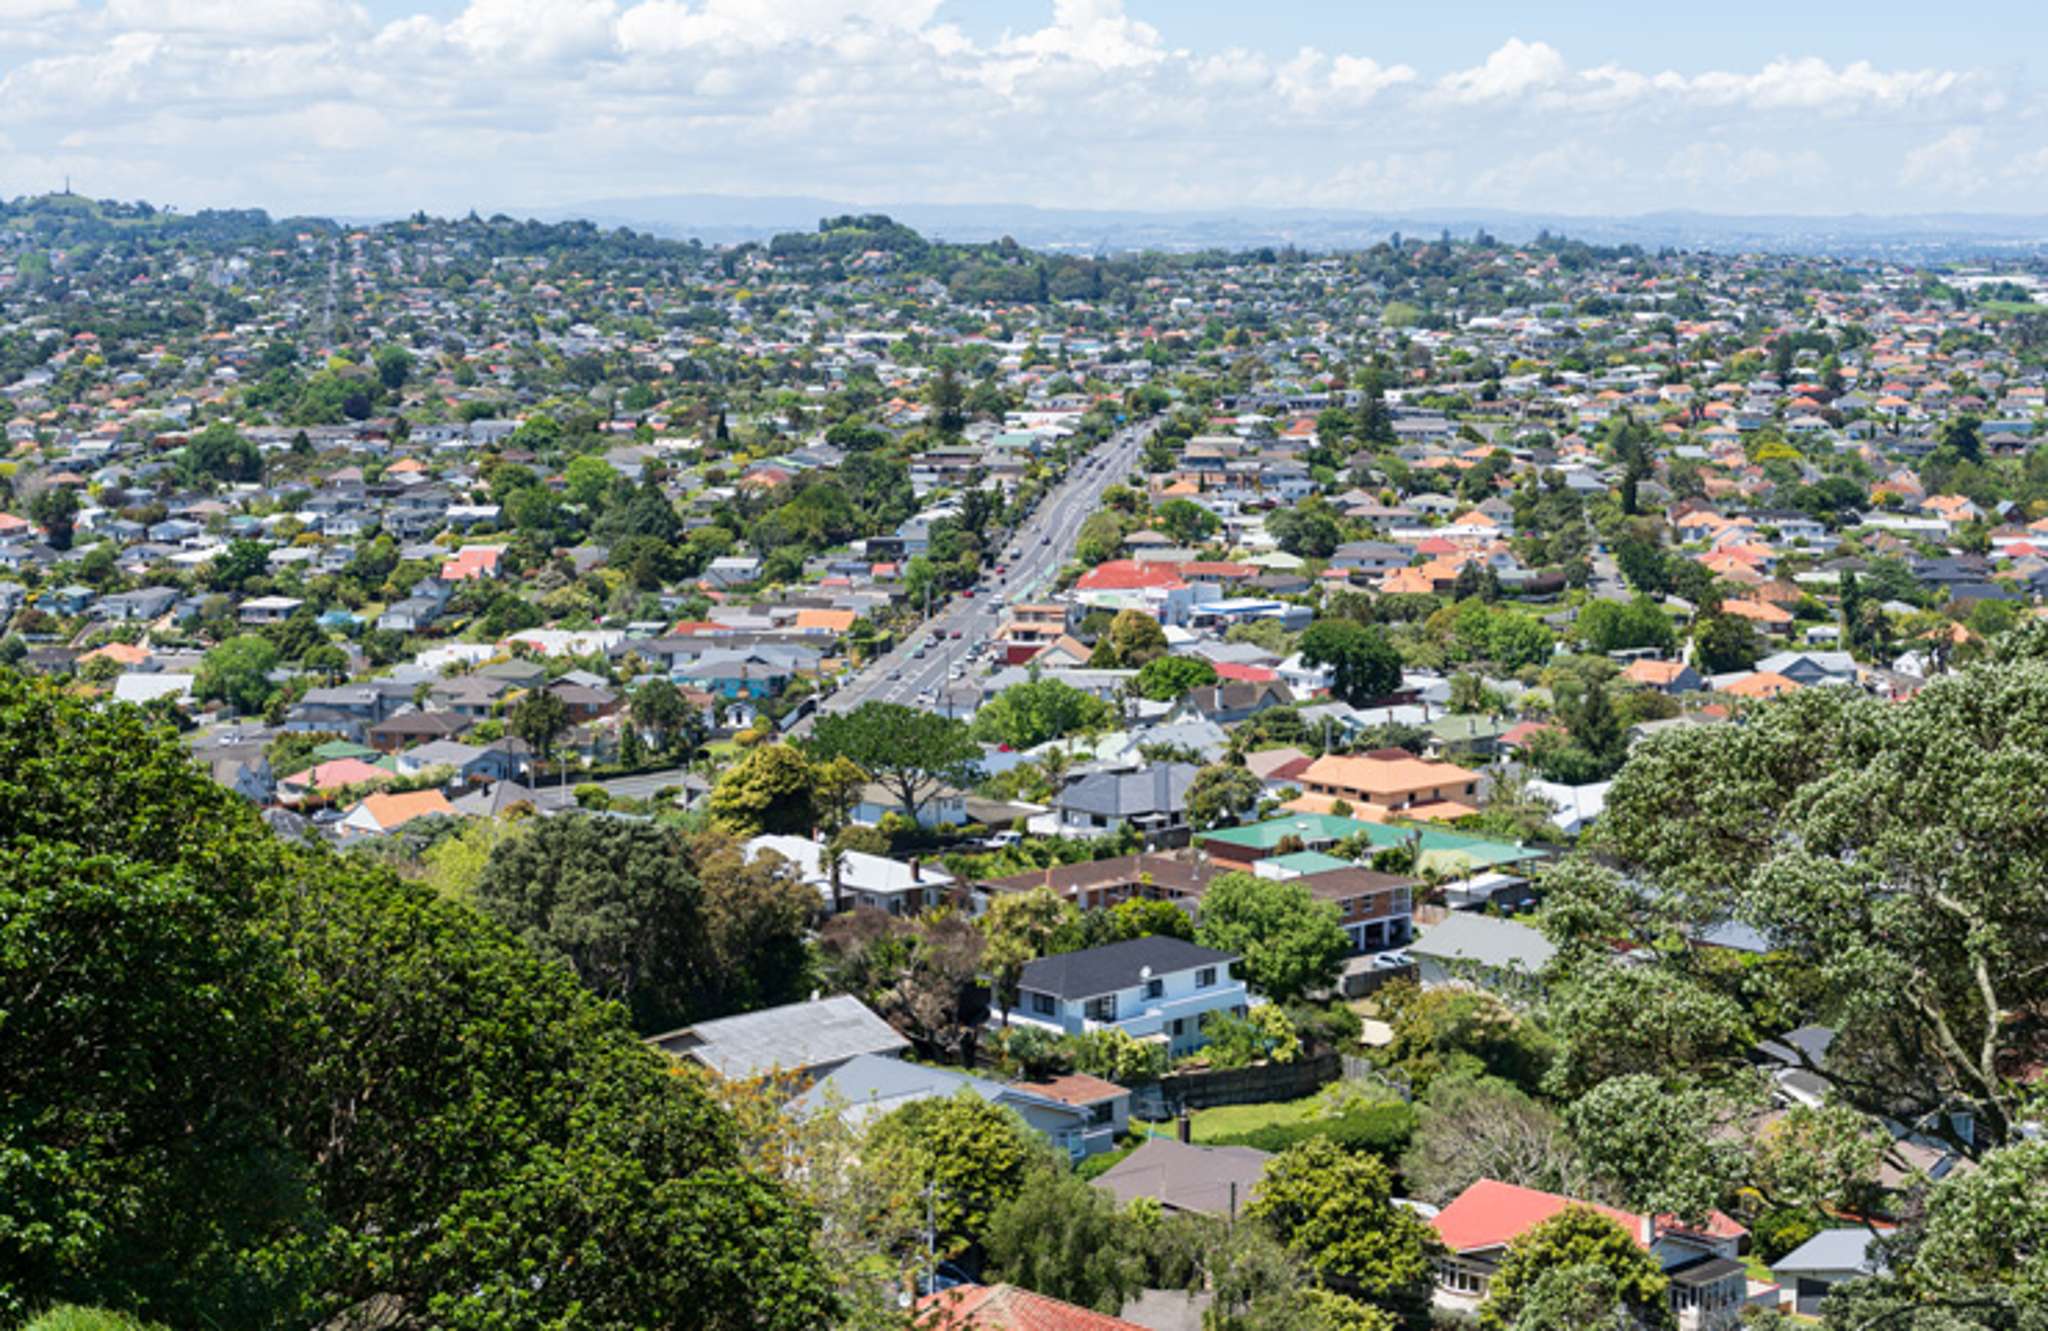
(1152, 988)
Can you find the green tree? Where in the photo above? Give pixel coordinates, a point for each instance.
(1333, 1209)
(1661, 1149)
(1020, 928)
(910, 752)
(1364, 665)
(1613, 626)
(1168, 678)
(1145, 917)
(1134, 638)
(283, 1086)
(1040, 709)
(1291, 944)
(219, 452)
(968, 1155)
(1222, 792)
(237, 672)
(586, 480)
(394, 366)
(540, 718)
(679, 729)
(238, 561)
(1586, 1242)
(771, 790)
(1723, 643)
(55, 509)
(1186, 521)
(1062, 1237)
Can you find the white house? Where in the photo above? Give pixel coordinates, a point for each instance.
(1151, 988)
(874, 881)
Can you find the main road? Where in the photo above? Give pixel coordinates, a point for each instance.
(1044, 542)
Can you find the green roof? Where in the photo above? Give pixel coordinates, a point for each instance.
(1450, 852)
(341, 748)
(1307, 862)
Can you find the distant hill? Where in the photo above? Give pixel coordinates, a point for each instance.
(726, 219)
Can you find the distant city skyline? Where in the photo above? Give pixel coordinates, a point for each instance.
(447, 105)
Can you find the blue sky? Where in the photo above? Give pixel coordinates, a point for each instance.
(361, 106)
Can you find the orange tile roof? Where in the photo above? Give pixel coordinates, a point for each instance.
(1384, 776)
(1761, 684)
(1761, 612)
(391, 811)
(1008, 1308)
(833, 621)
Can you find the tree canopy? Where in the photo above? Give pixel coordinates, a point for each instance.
(1364, 665)
(1291, 943)
(252, 1083)
(910, 752)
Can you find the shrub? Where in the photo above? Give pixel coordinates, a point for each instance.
(1381, 1129)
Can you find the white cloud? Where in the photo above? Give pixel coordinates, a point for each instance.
(1948, 165)
(1516, 68)
(528, 103)
(535, 31)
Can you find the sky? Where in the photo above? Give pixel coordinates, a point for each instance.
(368, 107)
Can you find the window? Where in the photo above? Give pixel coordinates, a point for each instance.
(1205, 977)
(1043, 1004)
(1180, 1027)
(1155, 988)
(1101, 1009)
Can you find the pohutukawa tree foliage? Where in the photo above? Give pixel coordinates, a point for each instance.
(1896, 852)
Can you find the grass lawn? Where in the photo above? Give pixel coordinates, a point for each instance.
(721, 748)
(1228, 1120)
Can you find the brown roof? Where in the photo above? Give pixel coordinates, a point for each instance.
(1075, 1088)
(1173, 874)
(1346, 884)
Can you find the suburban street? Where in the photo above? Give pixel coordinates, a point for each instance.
(1043, 543)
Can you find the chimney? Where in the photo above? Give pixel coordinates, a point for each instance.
(1184, 1128)
(916, 869)
(1648, 1226)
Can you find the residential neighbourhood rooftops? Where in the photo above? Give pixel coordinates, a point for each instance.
(1101, 970)
(808, 1037)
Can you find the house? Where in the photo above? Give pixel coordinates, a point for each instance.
(396, 732)
(1386, 783)
(1816, 1266)
(809, 1039)
(268, 609)
(1107, 1105)
(1198, 1180)
(1008, 1308)
(1708, 1285)
(1481, 947)
(1153, 800)
(1100, 884)
(1150, 988)
(868, 1086)
(1376, 910)
(382, 814)
(941, 805)
(1663, 676)
(874, 881)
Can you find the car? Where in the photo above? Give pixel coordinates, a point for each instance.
(1393, 961)
(1045, 540)
(895, 675)
(919, 653)
(955, 635)
(967, 594)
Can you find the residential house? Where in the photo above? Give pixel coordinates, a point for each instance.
(1827, 1259)
(867, 1086)
(1489, 951)
(1708, 1285)
(809, 1039)
(383, 813)
(1152, 799)
(1388, 783)
(1194, 1180)
(1150, 988)
(875, 882)
(1009, 1308)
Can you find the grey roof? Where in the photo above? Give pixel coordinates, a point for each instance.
(1813, 1041)
(792, 1038)
(870, 1085)
(1160, 788)
(1186, 1178)
(1829, 1250)
(1102, 970)
(1481, 939)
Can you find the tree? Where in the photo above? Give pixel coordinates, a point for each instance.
(1020, 927)
(55, 510)
(394, 366)
(1220, 792)
(540, 718)
(1723, 643)
(1891, 848)
(1364, 665)
(771, 790)
(238, 561)
(1186, 521)
(1332, 1208)
(673, 930)
(1062, 1237)
(1038, 710)
(967, 1155)
(1580, 1239)
(219, 452)
(1614, 626)
(1661, 1149)
(1291, 944)
(1476, 1128)
(910, 752)
(1145, 917)
(1168, 678)
(679, 728)
(1134, 638)
(284, 1086)
(237, 672)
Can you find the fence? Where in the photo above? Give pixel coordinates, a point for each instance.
(1256, 1084)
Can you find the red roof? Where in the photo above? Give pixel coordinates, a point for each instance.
(1492, 1214)
(1008, 1308)
(1247, 674)
(1124, 575)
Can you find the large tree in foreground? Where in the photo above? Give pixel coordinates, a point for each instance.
(1364, 665)
(1897, 853)
(247, 1083)
(909, 752)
